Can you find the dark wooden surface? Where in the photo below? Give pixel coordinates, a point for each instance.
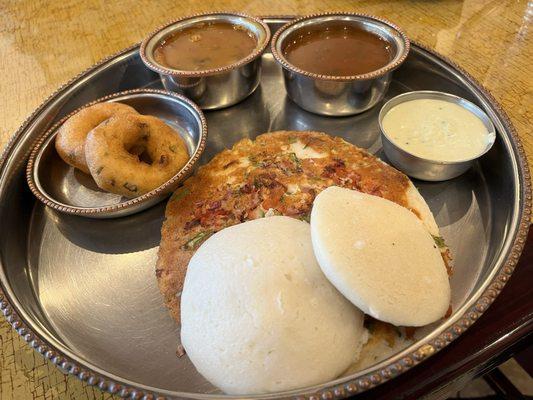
(505, 328)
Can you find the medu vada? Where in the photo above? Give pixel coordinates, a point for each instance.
(70, 138)
(133, 154)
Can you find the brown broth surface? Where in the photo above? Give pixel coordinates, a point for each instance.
(337, 50)
(205, 46)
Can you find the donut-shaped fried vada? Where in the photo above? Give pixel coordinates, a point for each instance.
(133, 154)
(70, 138)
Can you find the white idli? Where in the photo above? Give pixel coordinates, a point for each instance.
(259, 316)
(380, 256)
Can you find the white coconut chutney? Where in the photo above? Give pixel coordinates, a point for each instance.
(436, 130)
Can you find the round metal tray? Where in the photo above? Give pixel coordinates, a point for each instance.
(83, 292)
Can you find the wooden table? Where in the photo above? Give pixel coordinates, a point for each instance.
(42, 45)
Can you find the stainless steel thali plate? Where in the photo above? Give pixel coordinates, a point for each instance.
(84, 294)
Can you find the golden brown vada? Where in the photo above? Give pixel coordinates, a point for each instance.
(133, 154)
(70, 138)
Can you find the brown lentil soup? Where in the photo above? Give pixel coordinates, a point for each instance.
(337, 49)
(205, 46)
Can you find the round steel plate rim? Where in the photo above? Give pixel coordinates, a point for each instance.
(514, 244)
(10, 143)
(458, 99)
(521, 154)
(370, 75)
(38, 147)
(258, 51)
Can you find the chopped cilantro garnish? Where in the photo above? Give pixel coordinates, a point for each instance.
(253, 160)
(439, 241)
(180, 193)
(306, 218)
(197, 240)
(294, 158)
(257, 183)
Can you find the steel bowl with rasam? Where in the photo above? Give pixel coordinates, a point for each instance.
(214, 59)
(434, 136)
(338, 64)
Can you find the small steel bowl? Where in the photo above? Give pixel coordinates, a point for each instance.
(66, 189)
(339, 95)
(426, 169)
(213, 88)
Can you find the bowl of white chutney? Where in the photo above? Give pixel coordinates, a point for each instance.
(434, 136)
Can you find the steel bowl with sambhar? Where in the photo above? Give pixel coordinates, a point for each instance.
(349, 62)
(210, 82)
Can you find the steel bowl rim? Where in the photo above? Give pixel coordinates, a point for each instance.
(37, 149)
(258, 51)
(35, 338)
(391, 66)
(405, 97)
